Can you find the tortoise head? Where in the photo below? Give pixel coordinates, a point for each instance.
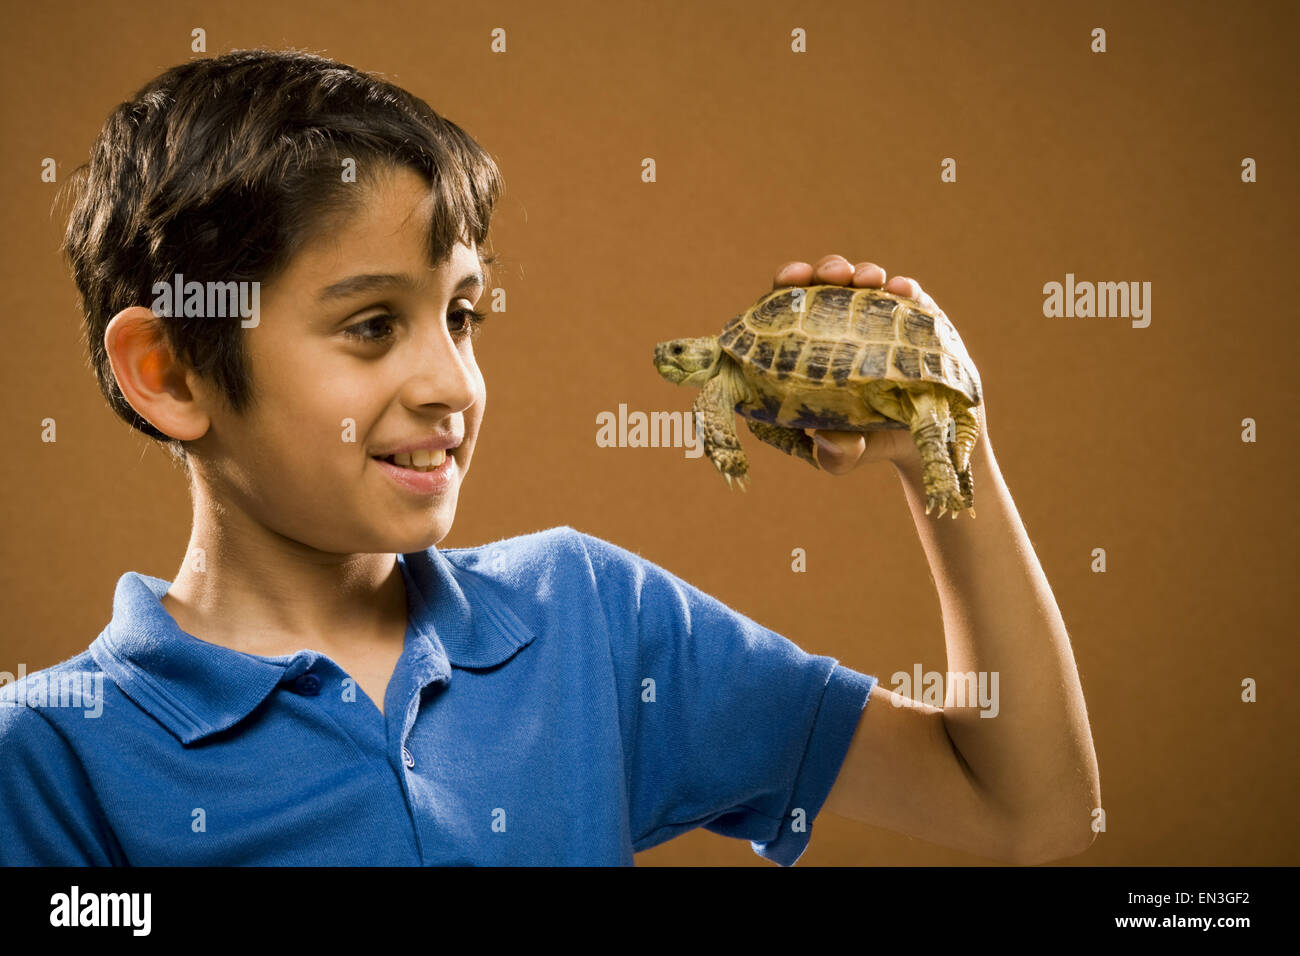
(688, 361)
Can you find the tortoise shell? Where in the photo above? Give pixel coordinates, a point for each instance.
(809, 353)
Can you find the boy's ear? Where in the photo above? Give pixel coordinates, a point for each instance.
(151, 378)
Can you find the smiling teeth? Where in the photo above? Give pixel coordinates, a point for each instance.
(420, 460)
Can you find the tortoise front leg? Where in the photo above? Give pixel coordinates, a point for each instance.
(792, 441)
(715, 419)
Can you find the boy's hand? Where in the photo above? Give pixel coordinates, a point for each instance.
(839, 452)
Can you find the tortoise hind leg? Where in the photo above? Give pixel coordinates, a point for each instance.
(927, 415)
(966, 429)
(790, 440)
(930, 429)
(715, 422)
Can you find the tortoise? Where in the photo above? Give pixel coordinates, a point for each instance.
(835, 357)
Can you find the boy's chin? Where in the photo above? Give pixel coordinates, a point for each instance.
(405, 534)
(410, 539)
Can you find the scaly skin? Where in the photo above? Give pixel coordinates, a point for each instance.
(967, 428)
(715, 417)
(930, 430)
(790, 440)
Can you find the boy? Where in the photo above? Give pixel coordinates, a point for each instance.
(321, 684)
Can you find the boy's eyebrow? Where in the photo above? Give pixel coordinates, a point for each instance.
(373, 281)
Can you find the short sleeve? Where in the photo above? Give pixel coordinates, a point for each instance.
(726, 724)
(48, 813)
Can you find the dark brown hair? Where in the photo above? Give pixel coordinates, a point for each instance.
(221, 169)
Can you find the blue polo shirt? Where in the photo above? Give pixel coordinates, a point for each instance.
(559, 700)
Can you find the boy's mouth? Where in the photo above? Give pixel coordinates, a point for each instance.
(416, 460)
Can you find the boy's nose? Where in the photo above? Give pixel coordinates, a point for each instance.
(443, 376)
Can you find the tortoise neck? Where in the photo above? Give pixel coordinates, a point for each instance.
(698, 379)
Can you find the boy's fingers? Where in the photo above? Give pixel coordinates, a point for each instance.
(869, 274)
(910, 288)
(902, 285)
(793, 273)
(836, 452)
(833, 270)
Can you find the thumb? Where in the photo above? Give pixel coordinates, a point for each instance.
(836, 452)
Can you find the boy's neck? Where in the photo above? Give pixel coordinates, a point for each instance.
(244, 587)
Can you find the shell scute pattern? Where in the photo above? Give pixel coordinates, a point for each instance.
(843, 336)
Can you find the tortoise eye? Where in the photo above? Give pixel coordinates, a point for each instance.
(677, 350)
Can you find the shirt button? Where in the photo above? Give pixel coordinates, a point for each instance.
(407, 758)
(308, 684)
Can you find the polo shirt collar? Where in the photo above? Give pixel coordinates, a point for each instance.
(195, 688)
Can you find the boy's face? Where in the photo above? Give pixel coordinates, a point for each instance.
(345, 374)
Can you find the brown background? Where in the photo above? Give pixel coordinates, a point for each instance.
(1123, 166)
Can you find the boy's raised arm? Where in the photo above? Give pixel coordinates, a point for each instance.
(1019, 786)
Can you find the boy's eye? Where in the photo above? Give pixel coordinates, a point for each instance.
(464, 323)
(378, 328)
(470, 323)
